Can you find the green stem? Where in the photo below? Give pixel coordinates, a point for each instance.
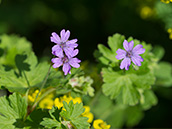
(27, 92)
(42, 96)
(42, 86)
(26, 79)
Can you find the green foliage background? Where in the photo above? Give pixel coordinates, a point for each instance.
(91, 22)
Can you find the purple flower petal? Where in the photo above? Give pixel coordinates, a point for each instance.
(55, 38)
(136, 61)
(57, 51)
(125, 63)
(126, 45)
(75, 52)
(66, 68)
(74, 62)
(64, 35)
(131, 44)
(120, 54)
(57, 62)
(68, 51)
(138, 49)
(67, 35)
(72, 43)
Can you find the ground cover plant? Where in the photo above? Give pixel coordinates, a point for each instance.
(63, 91)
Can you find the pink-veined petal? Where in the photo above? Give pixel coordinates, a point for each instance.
(126, 45)
(57, 62)
(72, 43)
(55, 38)
(66, 68)
(138, 49)
(67, 35)
(57, 51)
(120, 54)
(137, 60)
(131, 44)
(74, 62)
(125, 63)
(62, 34)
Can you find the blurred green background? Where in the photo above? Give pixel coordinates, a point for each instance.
(91, 22)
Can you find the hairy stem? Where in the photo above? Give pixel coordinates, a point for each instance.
(42, 86)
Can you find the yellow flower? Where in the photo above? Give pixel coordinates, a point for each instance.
(170, 33)
(58, 103)
(77, 100)
(100, 124)
(170, 36)
(46, 103)
(169, 30)
(32, 97)
(166, 1)
(66, 99)
(145, 12)
(88, 114)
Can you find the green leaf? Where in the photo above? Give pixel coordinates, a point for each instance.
(12, 45)
(116, 114)
(36, 117)
(163, 74)
(50, 123)
(164, 12)
(29, 74)
(130, 94)
(12, 110)
(115, 41)
(107, 53)
(114, 84)
(133, 115)
(143, 81)
(149, 100)
(72, 114)
(158, 52)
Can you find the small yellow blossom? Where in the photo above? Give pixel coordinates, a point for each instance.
(46, 103)
(77, 100)
(146, 12)
(65, 98)
(166, 1)
(88, 114)
(170, 33)
(58, 102)
(32, 97)
(100, 124)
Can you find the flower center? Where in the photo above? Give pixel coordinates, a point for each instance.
(63, 44)
(129, 54)
(65, 59)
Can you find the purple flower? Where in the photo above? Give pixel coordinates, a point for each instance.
(67, 62)
(63, 44)
(130, 54)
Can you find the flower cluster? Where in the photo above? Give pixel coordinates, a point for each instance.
(166, 1)
(170, 33)
(65, 51)
(130, 54)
